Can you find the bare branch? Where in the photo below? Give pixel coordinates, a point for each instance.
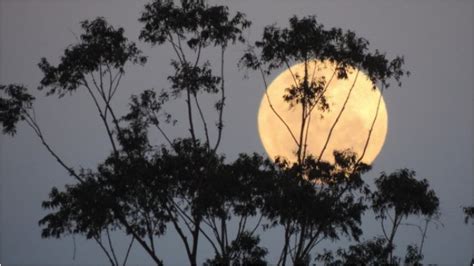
(203, 119)
(338, 117)
(105, 250)
(128, 252)
(273, 109)
(102, 116)
(222, 103)
(292, 74)
(257, 225)
(324, 91)
(32, 123)
(371, 127)
(111, 246)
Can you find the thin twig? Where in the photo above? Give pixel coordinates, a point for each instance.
(74, 247)
(111, 246)
(273, 109)
(220, 125)
(102, 116)
(338, 117)
(324, 91)
(371, 127)
(257, 225)
(32, 123)
(128, 252)
(203, 119)
(292, 74)
(105, 250)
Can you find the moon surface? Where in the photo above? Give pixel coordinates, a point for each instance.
(350, 132)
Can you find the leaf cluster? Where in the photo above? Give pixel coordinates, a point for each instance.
(101, 45)
(203, 25)
(405, 194)
(243, 251)
(193, 78)
(14, 104)
(469, 213)
(323, 197)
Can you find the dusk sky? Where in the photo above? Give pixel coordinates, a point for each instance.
(430, 118)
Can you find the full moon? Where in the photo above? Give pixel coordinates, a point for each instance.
(365, 109)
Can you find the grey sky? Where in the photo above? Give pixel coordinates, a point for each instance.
(430, 116)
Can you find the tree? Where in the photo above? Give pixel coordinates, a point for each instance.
(306, 41)
(100, 201)
(176, 184)
(370, 252)
(400, 195)
(338, 211)
(141, 188)
(189, 28)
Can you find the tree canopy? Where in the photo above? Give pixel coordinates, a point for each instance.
(142, 188)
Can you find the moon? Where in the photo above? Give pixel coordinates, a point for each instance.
(365, 109)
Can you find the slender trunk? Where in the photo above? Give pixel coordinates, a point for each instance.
(195, 235)
(423, 237)
(140, 241)
(284, 251)
(220, 124)
(396, 222)
(190, 116)
(303, 114)
(301, 244)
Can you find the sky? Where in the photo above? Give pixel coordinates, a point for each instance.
(430, 117)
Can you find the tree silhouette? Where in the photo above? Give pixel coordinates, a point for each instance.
(398, 196)
(189, 28)
(401, 194)
(141, 189)
(335, 187)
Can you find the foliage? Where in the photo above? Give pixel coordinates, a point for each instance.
(101, 48)
(311, 183)
(243, 251)
(329, 189)
(206, 25)
(200, 198)
(13, 106)
(469, 212)
(370, 252)
(141, 189)
(401, 194)
(413, 255)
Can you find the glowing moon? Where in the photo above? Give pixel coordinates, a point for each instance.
(350, 132)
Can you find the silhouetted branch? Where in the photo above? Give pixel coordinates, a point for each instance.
(102, 116)
(220, 125)
(164, 135)
(292, 74)
(111, 246)
(323, 91)
(128, 251)
(371, 127)
(203, 119)
(257, 225)
(105, 251)
(32, 123)
(273, 109)
(383, 229)
(337, 118)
